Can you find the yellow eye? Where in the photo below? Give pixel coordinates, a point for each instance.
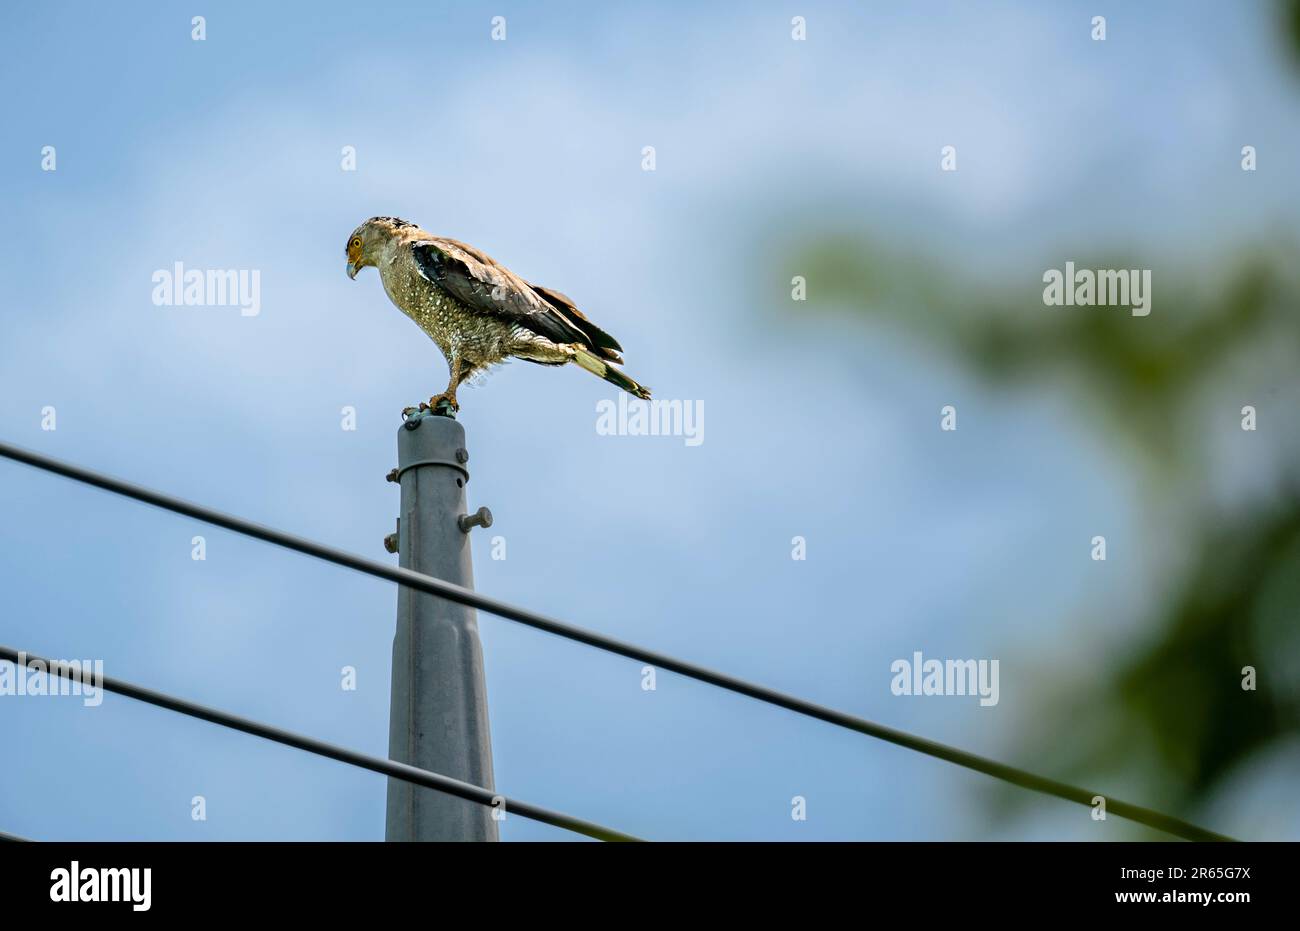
(356, 243)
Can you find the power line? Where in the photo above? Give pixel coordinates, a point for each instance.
(411, 774)
(433, 586)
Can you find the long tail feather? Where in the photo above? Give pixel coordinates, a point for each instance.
(612, 375)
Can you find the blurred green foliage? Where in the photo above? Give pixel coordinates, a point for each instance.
(1290, 15)
(1168, 710)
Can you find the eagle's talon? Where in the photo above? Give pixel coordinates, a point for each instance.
(443, 405)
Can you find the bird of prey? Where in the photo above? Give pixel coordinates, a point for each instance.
(478, 312)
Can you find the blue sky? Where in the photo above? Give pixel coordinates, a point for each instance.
(226, 154)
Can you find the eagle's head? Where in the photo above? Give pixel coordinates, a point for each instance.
(369, 239)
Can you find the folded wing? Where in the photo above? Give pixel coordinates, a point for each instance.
(483, 286)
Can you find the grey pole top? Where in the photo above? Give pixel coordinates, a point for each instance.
(439, 717)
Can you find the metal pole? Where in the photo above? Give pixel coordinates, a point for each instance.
(438, 719)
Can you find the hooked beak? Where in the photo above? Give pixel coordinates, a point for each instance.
(352, 271)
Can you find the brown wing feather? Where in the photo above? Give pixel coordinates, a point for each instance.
(483, 286)
(605, 345)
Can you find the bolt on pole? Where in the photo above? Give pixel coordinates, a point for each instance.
(438, 718)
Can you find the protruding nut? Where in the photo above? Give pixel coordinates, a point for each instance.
(480, 518)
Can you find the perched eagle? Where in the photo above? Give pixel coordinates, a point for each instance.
(478, 312)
